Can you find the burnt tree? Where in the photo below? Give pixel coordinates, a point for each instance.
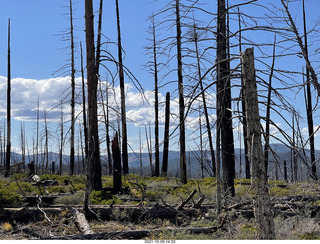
(262, 204)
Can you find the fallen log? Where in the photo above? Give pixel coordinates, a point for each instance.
(132, 234)
(81, 222)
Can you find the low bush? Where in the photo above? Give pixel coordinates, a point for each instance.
(8, 198)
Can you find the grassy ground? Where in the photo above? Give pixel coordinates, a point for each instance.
(151, 191)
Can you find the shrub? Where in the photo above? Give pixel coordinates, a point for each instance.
(56, 189)
(103, 198)
(8, 198)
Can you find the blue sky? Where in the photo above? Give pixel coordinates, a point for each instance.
(38, 50)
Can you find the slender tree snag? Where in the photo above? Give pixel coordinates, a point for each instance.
(117, 183)
(262, 205)
(309, 101)
(205, 109)
(313, 74)
(84, 112)
(98, 51)
(123, 99)
(164, 169)
(183, 159)
(224, 95)
(149, 149)
(156, 102)
(107, 132)
(8, 151)
(37, 144)
(72, 94)
(285, 171)
(61, 139)
(267, 135)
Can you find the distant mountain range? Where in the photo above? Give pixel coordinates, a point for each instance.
(194, 169)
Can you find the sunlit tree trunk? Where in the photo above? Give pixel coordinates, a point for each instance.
(262, 204)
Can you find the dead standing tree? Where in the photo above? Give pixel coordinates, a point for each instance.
(8, 151)
(224, 98)
(164, 170)
(312, 78)
(182, 141)
(262, 204)
(123, 101)
(93, 160)
(72, 93)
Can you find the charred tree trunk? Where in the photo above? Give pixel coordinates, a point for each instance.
(46, 143)
(183, 159)
(84, 111)
(262, 204)
(72, 94)
(117, 183)
(285, 171)
(61, 141)
(309, 102)
(94, 163)
(224, 95)
(123, 99)
(156, 103)
(8, 151)
(164, 170)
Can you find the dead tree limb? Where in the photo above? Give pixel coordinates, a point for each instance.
(181, 205)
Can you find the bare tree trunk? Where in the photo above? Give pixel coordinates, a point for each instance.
(123, 99)
(294, 158)
(262, 204)
(309, 102)
(156, 102)
(149, 149)
(285, 171)
(164, 170)
(84, 111)
(72, 94)
(105, 110)
(61, 141)
(218, 161)
(8, 151)
(107, 133)
(23, 141)
(224, 95)
(267, 135)
(140, 152)
(117, 182)
(46, 145)
(94, 163)
(37, 144)
(183, 163)
(205, 109)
